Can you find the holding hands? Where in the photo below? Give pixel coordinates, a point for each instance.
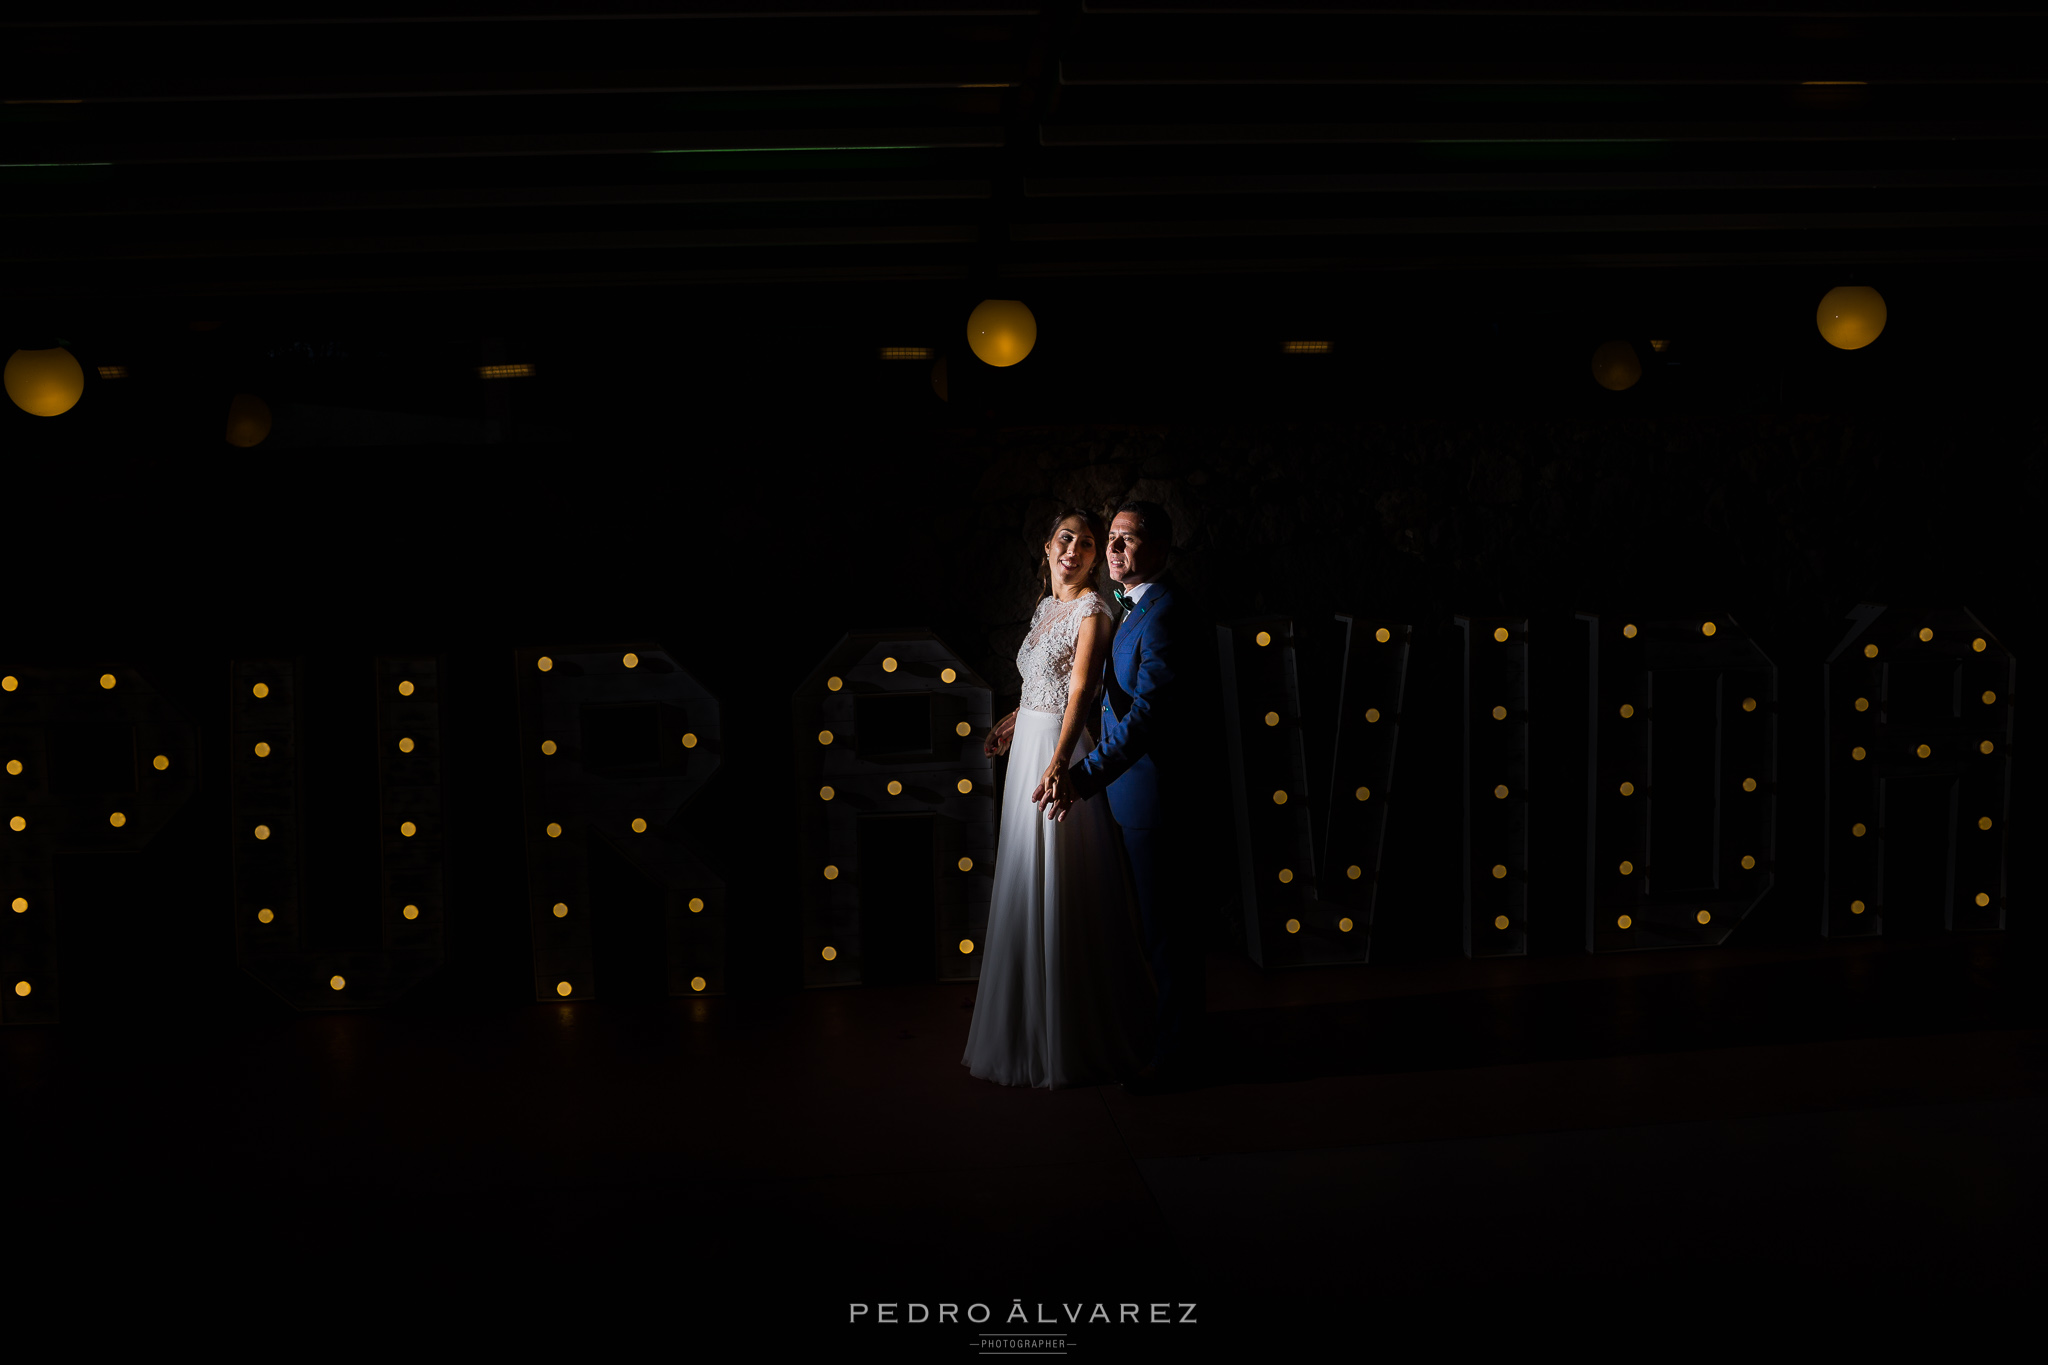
(1054, 794)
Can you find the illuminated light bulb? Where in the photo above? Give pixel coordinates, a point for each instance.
(966, 864)
(834, 684)
(1627, 868)
(554, 830)
(1500, 871)
(107, 680)
(1500, 921)
(1747, 863)
(1749, 784)
(17, 824)
(117, 819)
(45, 383)
(1382, 635)
(408, 828)
(1344, 925)
(405, 688)
(1983, 898)
(1628, 632)
(689, 741)
(964, 786)
(895, 787)
(966, 945)
(547, 746)
(1749, 703)
(825, 793)
(888, 665)
(831, 872)
(1372, 715)
(1279, 798)
(1500, 713)
(22, 988)
(248, 420)
(14, 767)
(1286, 875)
(561, 910)
(1363, 793)
(1863, 703)
(262, 831)
(264, 916)
(260, 690)
(963, 729)
(1001, 331)
(1623, 923)
(696, 905)
(631, 661)
(1977, 644)
(1628, 789)
(1500, 633)
(1870, 651)
(824, 736)
(1857, 753)
(405, 745)
(1983, 822)
(1926, 634)
(337, 981)
(1706, 627)
(1703, 917)
(20, 904)
(1263, 638)
(829, 953)
(262, 748)
(1923, 751)
(1294, 926)
(1501, 792)
(1615, 366)
(544, 663)
(697, 983)
(563, 988)
(1985, 747)
(947, 675)
(1855, 907)
(1354, 872)
(1850, 316)
(1857, 829)
(639, 825)
(1627, 710)
(411, 912)
(1272, 718)
(1990, 697)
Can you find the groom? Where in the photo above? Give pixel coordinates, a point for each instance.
(1145, 760)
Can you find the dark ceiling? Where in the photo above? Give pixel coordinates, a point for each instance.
(899, 153)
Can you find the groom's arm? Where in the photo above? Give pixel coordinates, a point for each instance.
(1128, 738)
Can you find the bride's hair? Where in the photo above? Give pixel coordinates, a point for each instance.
(1096, 525)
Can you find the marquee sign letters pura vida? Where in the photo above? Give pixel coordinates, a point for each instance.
(1680, 799)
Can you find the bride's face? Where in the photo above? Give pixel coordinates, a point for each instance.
(1070, 554)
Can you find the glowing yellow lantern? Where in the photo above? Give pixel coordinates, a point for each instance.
(45, 383)
(1001, 331)
(248, 420)
(1615, 366)
(1850, 316)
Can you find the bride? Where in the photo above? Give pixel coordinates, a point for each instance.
(1065, 998)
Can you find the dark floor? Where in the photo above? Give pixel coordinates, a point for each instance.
(1502, 1151)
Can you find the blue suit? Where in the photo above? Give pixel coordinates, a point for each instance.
(1145, 761)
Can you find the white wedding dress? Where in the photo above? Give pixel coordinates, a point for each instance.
(1065, 997)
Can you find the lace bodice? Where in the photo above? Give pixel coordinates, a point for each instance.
(1046, 660)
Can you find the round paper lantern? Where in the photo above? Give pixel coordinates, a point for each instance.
(1001, 331)
(44, 383)
(248, 420)
(1850, 316)
(1615, 365)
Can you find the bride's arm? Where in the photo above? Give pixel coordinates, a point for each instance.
(1084, 694)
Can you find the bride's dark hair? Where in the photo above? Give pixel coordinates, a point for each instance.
(1097, 526)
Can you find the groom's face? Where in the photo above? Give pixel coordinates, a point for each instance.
(1132, 558)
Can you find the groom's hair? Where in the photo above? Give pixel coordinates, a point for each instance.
(1154, 521)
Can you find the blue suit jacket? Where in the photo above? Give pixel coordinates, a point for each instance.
(1143, 731)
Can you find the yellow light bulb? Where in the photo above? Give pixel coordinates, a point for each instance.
(248, 420)
(1001, 331)
(1850, 316)
(1615, 366)
(46, 383)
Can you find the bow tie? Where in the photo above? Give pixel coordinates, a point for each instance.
(1123, 599)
